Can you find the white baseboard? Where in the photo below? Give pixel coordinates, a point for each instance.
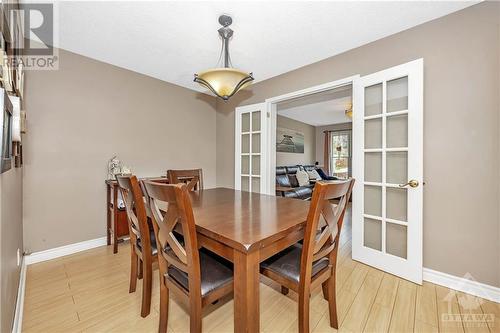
(465, 284)
(18, 315)
(64, 250)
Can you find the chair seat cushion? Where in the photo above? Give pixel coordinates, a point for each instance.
(215, 273)
(287, 263)
(152, 237)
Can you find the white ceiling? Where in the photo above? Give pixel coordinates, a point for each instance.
(173, 40)
(320, 109)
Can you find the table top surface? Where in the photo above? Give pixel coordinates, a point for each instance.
(246, 221)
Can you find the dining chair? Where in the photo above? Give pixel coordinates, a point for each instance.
(304, 267)
(196, 275)
(142, 239)
(193, 178)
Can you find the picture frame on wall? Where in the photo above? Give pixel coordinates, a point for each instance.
(5, 132)
(289, 141)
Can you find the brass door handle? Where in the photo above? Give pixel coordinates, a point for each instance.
(411, 183)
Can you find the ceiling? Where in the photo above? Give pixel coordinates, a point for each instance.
(173, 40)
(325, 108)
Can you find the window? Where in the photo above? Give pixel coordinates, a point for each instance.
(341, 154)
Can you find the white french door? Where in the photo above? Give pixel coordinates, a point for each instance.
(251, 150)
(388, 168)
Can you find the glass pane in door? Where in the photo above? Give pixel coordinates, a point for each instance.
(245, 186)
(373, 200)
(373, 234)
(373, 133)
(256, 184)
(373, 100)
(397, 167)
(245, 122)
(256, 165)
(245, 165)
(397, 131)
(245, 143)
(396, 239)
(373, 167)
(396, 203)
(397, 94)
(255, 121)
(256, 143)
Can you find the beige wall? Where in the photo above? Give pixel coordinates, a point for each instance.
(83, 114)
(461, 110)
(309, 143)
(320, 138)
(11, 239)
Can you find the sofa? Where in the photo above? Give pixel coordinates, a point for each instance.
(288, 186)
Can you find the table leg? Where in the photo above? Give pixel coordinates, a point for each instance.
(246, 291)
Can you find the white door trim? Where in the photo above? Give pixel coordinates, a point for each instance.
(272, 113)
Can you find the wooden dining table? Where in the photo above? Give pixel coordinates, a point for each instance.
(247, 228)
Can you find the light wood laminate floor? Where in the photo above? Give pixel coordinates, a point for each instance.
(88, 292)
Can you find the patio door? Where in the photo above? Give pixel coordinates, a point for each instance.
(251, 152)
(388, 168)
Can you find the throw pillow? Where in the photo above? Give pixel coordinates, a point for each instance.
(313, 174)
(302, 178)
(322, 174)
(293, 181)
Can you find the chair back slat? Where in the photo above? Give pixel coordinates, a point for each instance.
(192, 178)
(135, 208)
(182, 253)
(321, 243)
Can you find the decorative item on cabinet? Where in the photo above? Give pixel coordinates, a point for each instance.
(114, 167)
(126, 170)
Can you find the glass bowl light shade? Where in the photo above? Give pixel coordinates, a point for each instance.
(224, 82)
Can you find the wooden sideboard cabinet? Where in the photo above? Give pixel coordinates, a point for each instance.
(117, 224)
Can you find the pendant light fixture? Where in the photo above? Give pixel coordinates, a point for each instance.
(224, 81)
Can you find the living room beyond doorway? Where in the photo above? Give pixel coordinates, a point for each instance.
(313, 141)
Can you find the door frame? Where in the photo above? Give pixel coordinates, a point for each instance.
(271, 110)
